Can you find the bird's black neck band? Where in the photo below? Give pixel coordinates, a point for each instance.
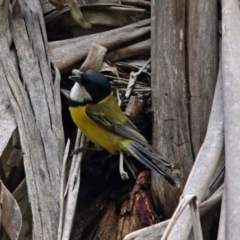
(73, 103)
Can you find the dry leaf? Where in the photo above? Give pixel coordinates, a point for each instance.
(7, 121)
(77, 14)
(10, 213)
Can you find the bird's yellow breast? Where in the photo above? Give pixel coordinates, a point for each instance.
(98, 135)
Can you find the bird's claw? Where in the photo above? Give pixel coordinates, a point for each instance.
(124, 175)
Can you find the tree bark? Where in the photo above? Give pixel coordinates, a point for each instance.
(184, 73)
(202, 60)
(35, 98)
(170, 98)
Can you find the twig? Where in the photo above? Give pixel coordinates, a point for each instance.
(136, 89)
(139, 48)
(184, 202)
(117, 78)
(72, 188)
(62, 188)
(133, 78)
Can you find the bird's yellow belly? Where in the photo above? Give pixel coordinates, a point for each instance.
(96, 134)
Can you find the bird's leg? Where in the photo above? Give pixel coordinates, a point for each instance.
(82, 149)
(123, 174)
(131, 167)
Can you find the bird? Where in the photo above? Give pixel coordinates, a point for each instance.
(95, 111)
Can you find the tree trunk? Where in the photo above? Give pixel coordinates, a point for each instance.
(184, 72)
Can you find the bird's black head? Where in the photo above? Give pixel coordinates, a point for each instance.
(90, 87)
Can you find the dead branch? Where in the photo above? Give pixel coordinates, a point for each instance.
(71, 191)
(140, 3)
(69, 52)
(62, 189)
(108, 14)
(95, 58)
(130, 51)
(34, 105)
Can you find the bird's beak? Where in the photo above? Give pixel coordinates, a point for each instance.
(75, 78)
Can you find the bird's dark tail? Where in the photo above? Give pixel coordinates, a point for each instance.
(146, 157)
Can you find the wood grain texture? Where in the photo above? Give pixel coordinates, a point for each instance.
(184, 73)
(7, 121)
(231, 96)
(202, 65)
(36, 106)
(205, 165)
(171, 135)
(66, 53)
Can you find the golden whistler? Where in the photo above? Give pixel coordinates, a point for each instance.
(96, 113)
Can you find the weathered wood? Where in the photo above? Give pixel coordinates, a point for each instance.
(156, 231)
(130, 51)
(35, 103)
(150, 233)
(205, 164)
(69, 52)
(222, 222)
(231, 90)
(140, 3)
(107, 14)
(51, 126)
(95, 58)
(11, 217)
(137, 212)
(171, 135)
(7, 121)
(202, 63)
(133, 108)
(187, 72)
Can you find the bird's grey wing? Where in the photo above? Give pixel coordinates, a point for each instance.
(109, 116)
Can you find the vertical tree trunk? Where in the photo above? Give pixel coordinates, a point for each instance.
(202, 65)
(170, 98)
(184, 71)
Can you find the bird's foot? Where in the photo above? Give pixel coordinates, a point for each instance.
(123, 174)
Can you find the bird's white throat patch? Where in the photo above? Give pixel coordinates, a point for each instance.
(79, 94)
